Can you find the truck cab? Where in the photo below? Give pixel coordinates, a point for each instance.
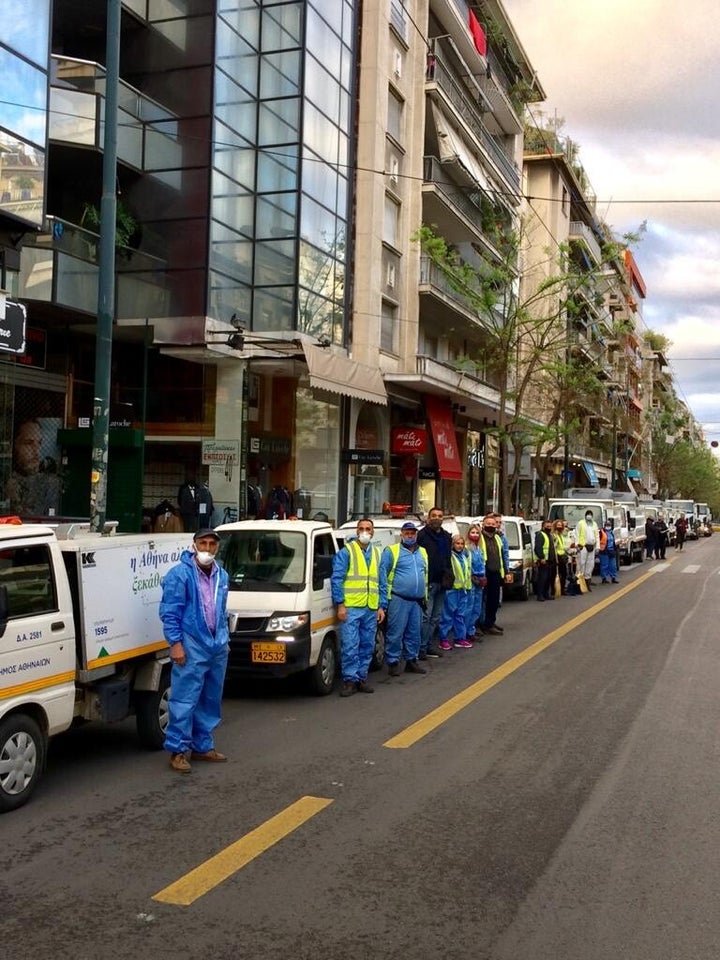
(281, 616)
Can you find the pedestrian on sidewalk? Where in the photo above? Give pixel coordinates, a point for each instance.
(193, 610)
(437, 542)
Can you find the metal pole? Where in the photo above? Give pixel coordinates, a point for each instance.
(106, 275)
(613, 468)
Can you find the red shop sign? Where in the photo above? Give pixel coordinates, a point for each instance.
(409, 440)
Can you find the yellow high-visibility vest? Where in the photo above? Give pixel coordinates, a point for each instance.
(361, 585)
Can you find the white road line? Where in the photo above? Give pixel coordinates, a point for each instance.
(659, 567)
(691, 568)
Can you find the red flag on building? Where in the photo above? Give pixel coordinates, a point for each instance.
(478, 35)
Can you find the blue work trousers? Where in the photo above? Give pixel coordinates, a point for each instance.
(195, 697)
(402, 630)
(453, 614)
(357, 643)
(608, 565)
(473, 610)
(431, 616)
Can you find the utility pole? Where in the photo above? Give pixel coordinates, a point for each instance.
(106, 276)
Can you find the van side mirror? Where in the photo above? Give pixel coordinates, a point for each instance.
(4, 609)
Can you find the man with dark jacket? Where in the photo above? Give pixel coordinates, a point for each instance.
(438, 545)
(545, 561)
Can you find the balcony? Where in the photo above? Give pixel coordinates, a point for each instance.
(147, 133)
(61, 267)
(448, 307)
(457, 212)
(581, 232)
(443, 79)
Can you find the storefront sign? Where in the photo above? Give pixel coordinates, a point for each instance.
(375, 457)
(427, 473)
(443, 434)
(220, 452)
(409, 440)
(276, 447)
(12, 326)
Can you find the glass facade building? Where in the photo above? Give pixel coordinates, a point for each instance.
(283, 86)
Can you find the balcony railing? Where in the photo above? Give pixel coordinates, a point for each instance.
(147, 133)
(61, 267)
(456, 377)
(581, 231)
(470, 115)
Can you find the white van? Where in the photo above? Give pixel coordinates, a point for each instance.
(280, 612)
(520, 550)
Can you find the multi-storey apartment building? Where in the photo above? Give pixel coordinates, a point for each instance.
(439, 143)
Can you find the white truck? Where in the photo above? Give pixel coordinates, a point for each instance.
(629, 534)
(280, 612)
(673, 509)
(80, 639)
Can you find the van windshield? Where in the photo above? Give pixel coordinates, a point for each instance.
(267, 560)
(573, 513)
(512, 533)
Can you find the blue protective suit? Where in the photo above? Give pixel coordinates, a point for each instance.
(196, 687)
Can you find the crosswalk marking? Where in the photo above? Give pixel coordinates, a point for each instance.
(691, 568)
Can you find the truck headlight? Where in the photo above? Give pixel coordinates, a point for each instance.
(287, 622)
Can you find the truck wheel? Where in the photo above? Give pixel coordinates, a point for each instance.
(22, 759)
(378, 657)
(321, 677)
(152, 714)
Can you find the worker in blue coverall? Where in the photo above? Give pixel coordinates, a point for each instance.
(355, 585)
(193, 611)
(608, 554)
(454, 610)
(477, 577)
(404, 584)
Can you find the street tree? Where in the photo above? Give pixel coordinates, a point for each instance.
(528, 340)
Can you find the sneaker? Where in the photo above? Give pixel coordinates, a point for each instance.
(494, 631)
(604, 580)
(434, 652)
(211, 756)
(465, 644)
(364, 687)
(394, 670)
(412, 666)
(502, 629)
(179, 763)
(615, 581)
(422, 656)
(348, 688)
(445, 645)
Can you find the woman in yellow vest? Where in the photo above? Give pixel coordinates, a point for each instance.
(456, 598)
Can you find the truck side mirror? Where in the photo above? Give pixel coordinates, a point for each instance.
(4, 609)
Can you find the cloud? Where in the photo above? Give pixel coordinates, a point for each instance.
(635, 84)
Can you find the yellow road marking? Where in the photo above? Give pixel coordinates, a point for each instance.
(425, 725)
(208, 875)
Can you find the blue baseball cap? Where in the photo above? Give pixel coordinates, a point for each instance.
(409, 526)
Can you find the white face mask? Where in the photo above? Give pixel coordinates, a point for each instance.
(365, 536)
(205, 558)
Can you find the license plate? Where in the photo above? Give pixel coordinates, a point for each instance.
(267, 652)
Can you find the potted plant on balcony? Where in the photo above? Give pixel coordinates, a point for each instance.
(127, 229)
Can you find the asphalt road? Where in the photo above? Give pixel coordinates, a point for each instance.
(568, 811)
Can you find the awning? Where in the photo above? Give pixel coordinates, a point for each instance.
(443, 433)
(453, 150)
(329, 371)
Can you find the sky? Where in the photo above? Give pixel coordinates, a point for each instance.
(636, 84)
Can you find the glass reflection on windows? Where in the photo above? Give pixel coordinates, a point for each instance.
(277, 170)
(278, 122)
(279, 74)
(25, 27)
(274, 309)
(282, 27)
(24, 93)
(233, 155)
(274, 262)
(321, 41)
(276, 216)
